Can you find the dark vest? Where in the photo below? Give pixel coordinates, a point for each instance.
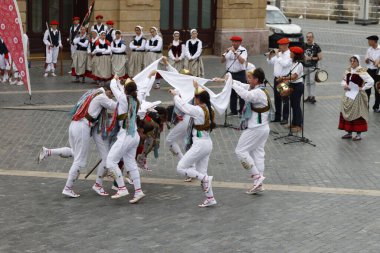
(99, 29)
(118, 45)
(73, 31)
(153, 43)
(355, 78)
(177, 50)
(79, 47)
(138, 42)
(193, 48)
(101, 46)
(3, 47)
(54, 38)
(92, 46)
(109, 35)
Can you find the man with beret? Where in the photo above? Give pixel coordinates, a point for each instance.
(74, 30)
(52, 40)
(99, 26)
(235, 58)
(371, 58)
(282, 65)
(110, 33)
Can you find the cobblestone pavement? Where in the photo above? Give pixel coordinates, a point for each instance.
(168, 220)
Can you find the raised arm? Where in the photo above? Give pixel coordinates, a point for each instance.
(191, 110)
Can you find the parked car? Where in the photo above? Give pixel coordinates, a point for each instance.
(280, 27)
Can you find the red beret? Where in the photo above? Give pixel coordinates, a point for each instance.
(54, 22)
(99, 16)
(76, 18)
(109, 22)
(296, 50)
(236, 38)
(283, 41)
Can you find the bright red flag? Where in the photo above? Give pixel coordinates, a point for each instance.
(11, 32)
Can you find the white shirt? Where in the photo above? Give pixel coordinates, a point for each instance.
(258, 98)
(230, 58)
(99, 102)
(76, 41)
(197, 53)
(372, 54)
(143, 43)
(368, 80)
(154, 48)
(282, 63)
(195, 112)
(297, 68)
(118, 49)
(102, 50)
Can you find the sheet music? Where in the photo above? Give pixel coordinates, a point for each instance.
(353, 92)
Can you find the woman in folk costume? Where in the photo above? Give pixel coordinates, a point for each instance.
(80, 56)
(91, 112)
(137, 46)
(102, 69)
(90, 54)
(193, 60)
(177, 52)
(195, 162)
(119, 57)
(154, 51)
(354, 104)
(250, 148)
(127, 138)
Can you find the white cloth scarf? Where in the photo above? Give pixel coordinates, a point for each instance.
(142, 79)
(184, 84)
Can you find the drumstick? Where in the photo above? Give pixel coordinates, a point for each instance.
(96, 165)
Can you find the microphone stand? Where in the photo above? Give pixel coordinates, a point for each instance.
(303, 139)
(226, 124)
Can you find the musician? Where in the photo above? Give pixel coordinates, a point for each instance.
(295, 80)
(235, 58)
(99, 26)
(373, 55)
(354, 104)
(52, 40)
(282, 63)
(313, 54)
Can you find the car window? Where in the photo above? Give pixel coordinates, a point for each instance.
(276, 17)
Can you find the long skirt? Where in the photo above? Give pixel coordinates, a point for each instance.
(119, 65)
(150, 57)
(354, 113)
(356, 125)
(102, 68)
(136, 63)
(177, 65)
(196, 67)
(79, 63)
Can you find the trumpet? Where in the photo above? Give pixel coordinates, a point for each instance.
(271, 52)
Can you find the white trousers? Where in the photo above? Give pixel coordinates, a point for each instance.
(79, 138)
(103, 147)
(177, 136)
(52, 54)
(125, 147)
(250, 149)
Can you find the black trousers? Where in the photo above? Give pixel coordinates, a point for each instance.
(281, 104)
(295, 102)
(241, 77)
(376, 78)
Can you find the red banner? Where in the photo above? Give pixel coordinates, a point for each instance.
(12, 33)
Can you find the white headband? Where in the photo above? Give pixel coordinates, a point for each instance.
(140, 27)
(102, 32)
(155, 28)
(176, 32)
(193, 30)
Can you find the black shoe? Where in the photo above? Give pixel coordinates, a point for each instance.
(232, 114)
(284, 122)
(276, 120)
(307, 99)
(312, 100)
(375, 109)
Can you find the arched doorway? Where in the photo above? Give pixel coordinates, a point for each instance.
(184, 15)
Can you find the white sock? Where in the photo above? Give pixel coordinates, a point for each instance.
(73, 175)
(135, 177)
(63, 152)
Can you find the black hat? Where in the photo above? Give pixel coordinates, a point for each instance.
(373, 37)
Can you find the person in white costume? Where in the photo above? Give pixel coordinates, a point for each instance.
(250, 148)
(201, 124)
(53, 42)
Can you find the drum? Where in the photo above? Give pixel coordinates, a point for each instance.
(284, 89)
(321, 76)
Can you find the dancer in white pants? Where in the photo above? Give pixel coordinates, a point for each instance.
(79, 138)
(250, 148)
(127, 139)
(53, 42)
(201, 123)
